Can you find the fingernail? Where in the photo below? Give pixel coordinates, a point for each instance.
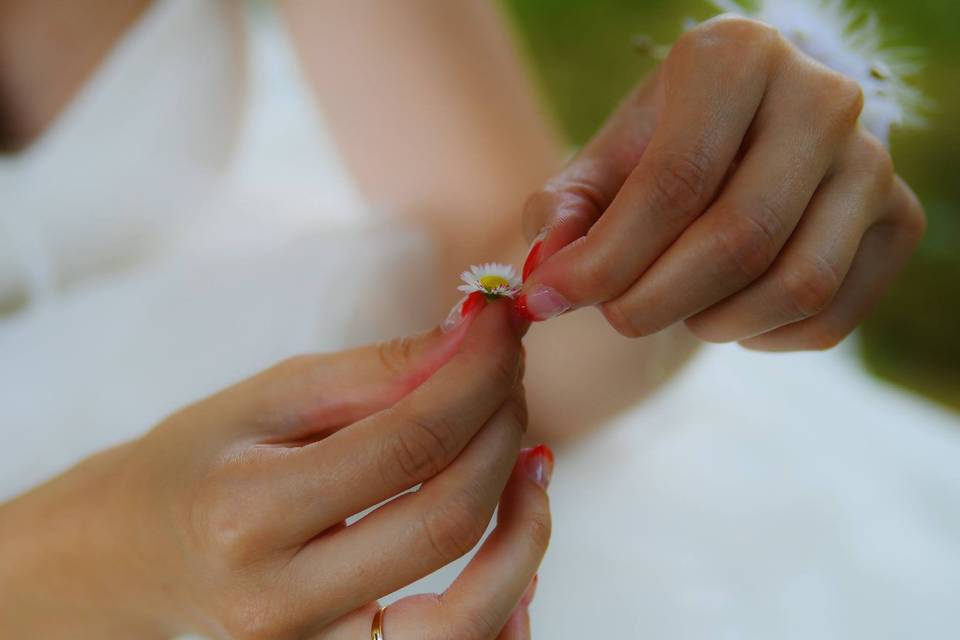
(534, 254)
(530, 592)
(519, 322)
(539, 464)
(541, 303)
(461, 310)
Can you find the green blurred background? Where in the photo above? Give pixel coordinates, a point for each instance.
(583, 53)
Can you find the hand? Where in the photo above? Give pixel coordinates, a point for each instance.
(735, 191)
(228, 518)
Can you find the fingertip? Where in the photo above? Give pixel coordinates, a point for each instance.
(537, 462)
(525, 498)
(520, 319)
(461, 313)
(497, 318)
(539, 302)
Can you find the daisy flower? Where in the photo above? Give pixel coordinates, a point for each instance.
(492, 279)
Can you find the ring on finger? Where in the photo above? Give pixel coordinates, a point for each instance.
(376, 629)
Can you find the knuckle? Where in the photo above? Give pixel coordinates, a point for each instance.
(419, 451)
(825, 336)
(809, 285)
(729, 35)
(453, 529)
(565, 196)
(593, 278)
(680, 182)
(747, 245)
(230, 534)
(581, 195)
(234, 543)
(577, 194)
(537, 201)
(501, 373)
(620, 319)
(850, 98)
(868, 161)
(745, 31)
(874, 158)
(844, 97)
(395, 355)
(539, 526)
(913, 222)
(536, 210)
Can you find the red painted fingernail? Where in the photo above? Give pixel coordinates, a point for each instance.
(474, 301)
(461, 310)
(538, 463)
(541, 303)
(519, 321)
(534, 254)
(530, 592)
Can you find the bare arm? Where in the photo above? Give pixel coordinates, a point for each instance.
(432, 111)
(48, 49)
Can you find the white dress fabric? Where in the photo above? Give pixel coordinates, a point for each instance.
(180, 229)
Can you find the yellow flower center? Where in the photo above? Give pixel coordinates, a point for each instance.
(490, 283)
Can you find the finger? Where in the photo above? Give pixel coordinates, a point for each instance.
(807, 114)
(356, 625)
(566, 206)
(399, 447)
(805, 278)
(518, 626)
(500, 579)
(413, 535)
(708, 107)
(884, 251)
(309, 396)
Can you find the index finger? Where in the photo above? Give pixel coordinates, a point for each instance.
(570, 202)
(708, 108)
(406, 444)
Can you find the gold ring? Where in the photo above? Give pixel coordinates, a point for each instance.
(376, 630)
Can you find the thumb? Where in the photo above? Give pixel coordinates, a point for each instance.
(313, 395)
(570, 203)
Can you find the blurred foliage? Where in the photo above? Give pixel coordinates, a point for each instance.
(583, 52)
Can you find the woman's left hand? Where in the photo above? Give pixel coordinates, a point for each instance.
(230, 517)
(736, 191)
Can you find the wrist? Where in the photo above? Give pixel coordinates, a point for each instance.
(67, 563)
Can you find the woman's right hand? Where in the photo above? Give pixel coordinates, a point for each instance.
(228, 519)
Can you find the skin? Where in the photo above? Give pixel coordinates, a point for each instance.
(48, 49)
(734, 191)
(227, 519)
(437, 118)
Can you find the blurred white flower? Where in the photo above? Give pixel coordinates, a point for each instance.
(848, 41)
